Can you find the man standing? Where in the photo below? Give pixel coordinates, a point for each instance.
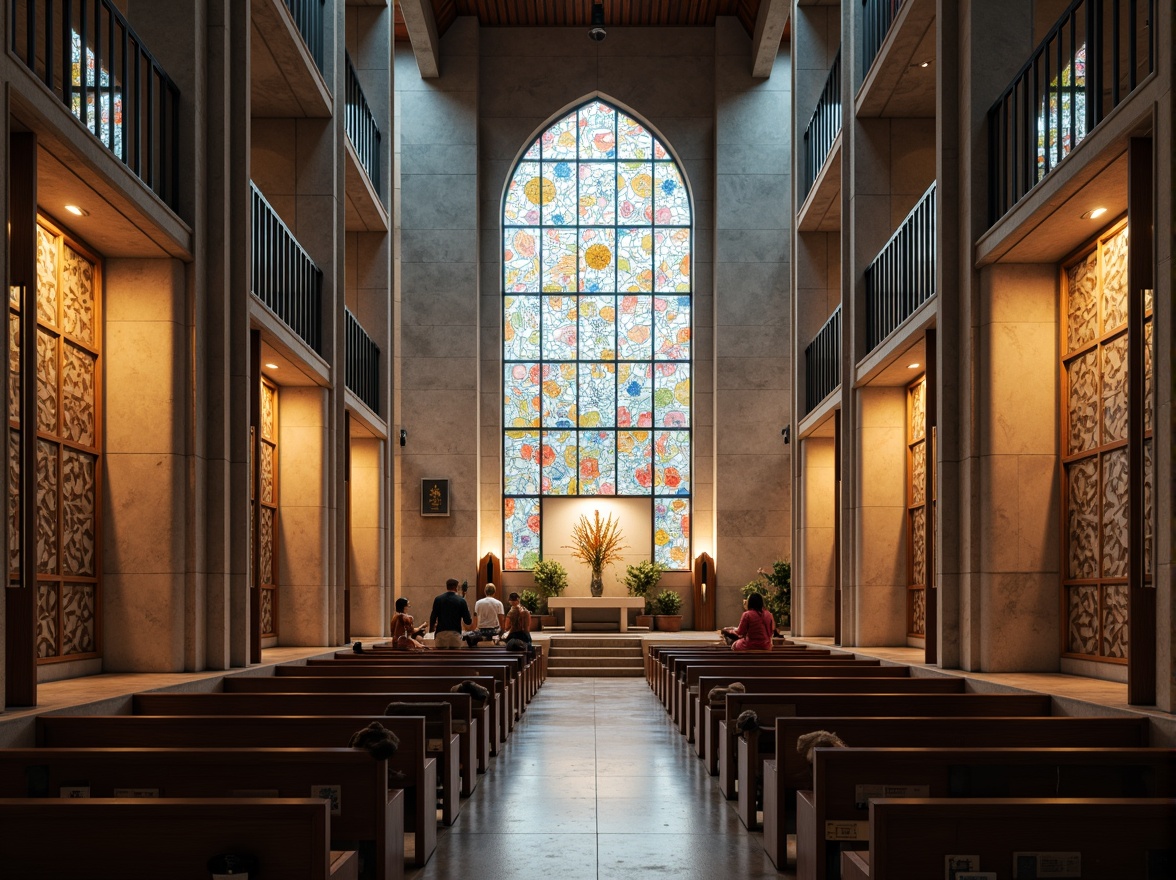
(489, 611)
(449, 612)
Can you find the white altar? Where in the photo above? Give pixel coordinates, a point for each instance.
(621, 603)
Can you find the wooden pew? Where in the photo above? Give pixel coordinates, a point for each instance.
(789, 772)
(137, 839)
(769, 706)
(1115, 838)
(532, 669)
(411, 759)
(835, 811)
(654, 651)
(670, 664)
(366, 810)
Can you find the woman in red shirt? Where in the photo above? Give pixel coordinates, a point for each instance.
(755, 629)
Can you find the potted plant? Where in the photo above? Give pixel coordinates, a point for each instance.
(532, 601)
(776, 588)
(551, 579)
(667, 607)
(597, 544)
(641, 580)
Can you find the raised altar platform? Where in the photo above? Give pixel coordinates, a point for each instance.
(621, 604)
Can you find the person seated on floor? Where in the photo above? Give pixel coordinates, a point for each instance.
(755, 629)
(404, 634)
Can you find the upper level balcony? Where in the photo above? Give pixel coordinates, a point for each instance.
(821, 209)
(88, 55)
(902, 277)
(1090, 61)
(363, 364)
(822, 362)
(284, 276)
(286, 59)
(365, 208)
(898, 57)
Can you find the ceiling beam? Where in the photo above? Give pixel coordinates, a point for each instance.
(422, 34)
(769, 31)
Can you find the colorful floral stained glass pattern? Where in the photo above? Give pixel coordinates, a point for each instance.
(520, 518)
(597, 328)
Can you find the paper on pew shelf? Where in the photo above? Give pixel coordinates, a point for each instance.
(1046, 864)
(332, 793)
(847, 829)
(863, 794)
(136, 792)
(75, 791)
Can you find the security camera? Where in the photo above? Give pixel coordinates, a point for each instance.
(597, 34)
(597, 31)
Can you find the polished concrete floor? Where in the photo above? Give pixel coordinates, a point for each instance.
(596, 782)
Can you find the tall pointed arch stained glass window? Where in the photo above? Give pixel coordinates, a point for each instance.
(597, 246)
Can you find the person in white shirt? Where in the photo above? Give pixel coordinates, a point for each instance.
(489, 612)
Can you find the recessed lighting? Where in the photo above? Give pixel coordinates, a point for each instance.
(925, 64)
(913, 366)
(272, 366)
(1094, 213)
(76, 211)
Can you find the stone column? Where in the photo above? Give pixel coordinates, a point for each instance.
(814, 569)
(370, 614)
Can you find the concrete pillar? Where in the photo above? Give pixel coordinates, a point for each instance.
(813, 575)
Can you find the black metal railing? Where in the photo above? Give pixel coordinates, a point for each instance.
(87, 54)
(308, 15)
(1092, 59)
(361, 127)
(877, 16)
(285, 278)
(822, 362)
(823, 127)
(363, 364)
(902, 276)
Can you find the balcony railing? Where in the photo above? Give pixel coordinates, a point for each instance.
(285, 278)
(87, 54)
(902, 276)
(1089, 62)
(822, 362)
(308, 15)
(823, 127)
(361, 127)
(363, 364)
(877, 16)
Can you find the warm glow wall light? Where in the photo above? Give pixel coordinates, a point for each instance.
(1094, 213)
(76, 211)
(271, 366)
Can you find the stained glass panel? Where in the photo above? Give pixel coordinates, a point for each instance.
(671, 199)
(598, 327)
(559, 316)
(559, 463)
(634, 193)
(598, 463)
(671, 395)
(520, 328)
(520, 518)
(598, 249)
(633, 139)
(558, 194)
(672, 456)
(524, 196)
(597, 131)
(598, 195)
(598, 395)
(522, 395)
(634, 339)
(559, 260)
(671, 326)
(521, 261)
(521, 455)
(671, 255)
(671, 532)
(559, 141)
(634, 260)
(559, 395)
(634, 462)
(532, 151)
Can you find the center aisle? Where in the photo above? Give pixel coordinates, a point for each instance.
(597, 783)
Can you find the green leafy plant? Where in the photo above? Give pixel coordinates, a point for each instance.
(641, 579)
(530, 600)
(551, 579)
(776, 588)
(667, 602)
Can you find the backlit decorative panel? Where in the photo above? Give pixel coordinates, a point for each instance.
(14, 366)
(1114, 621)
(79, 618)
(267, 545)
(46, 382)
(1082, 303)
(14, 502)
(46, 620)
(1082, 546)
(1114, 389)
(78, 513)
(1082, 399)
(918, 546)
(77, 295)
(1148, 506)
(597, 328)
(268, 407)
(46, 277)
(78, 388)
(47, 494)
(918, 612)
(267, 612)
(1082, 619)
(1114, 513)
(267, 473)
(1114, 282)
(918, 492)
(918, 411)
(1149, 400)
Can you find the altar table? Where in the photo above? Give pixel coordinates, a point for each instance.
(621, 603)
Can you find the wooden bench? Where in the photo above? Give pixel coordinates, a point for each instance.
(519, 674)
(655, 650)
(1112, 838)
(834, 812)
(789, 772)
(364, 809)
(419, 772)
(136, 839)
(532, 669)
(671, 664)
(736, 751)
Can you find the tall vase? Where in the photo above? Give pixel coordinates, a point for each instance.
(596, 585)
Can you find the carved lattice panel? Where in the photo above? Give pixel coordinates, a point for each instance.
(1082, 303)
(1114, 390)
(267, 612)
(77, 295)
(46, 620)
(1114, 513)
(78, 513)
(269, 402)
(918, 411)
(267, 473)
(79, 619)
(78, 388)
(918, 493)
(918, 612)
(1114, 282)
(14, 503)
(1082, 619)
(918, 546)
(46, 382)
(1082, 510)
(1082, 403)
(1148, 506)
(14, 366)
(266, 547)
(1149, 399)
(46, 277)
(47, 488)
(1114, 621)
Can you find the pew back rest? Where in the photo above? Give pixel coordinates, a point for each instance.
(769, 706)
(363, 684)
(733, 671)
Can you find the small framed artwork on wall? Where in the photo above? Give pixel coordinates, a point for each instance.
(434, 497)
